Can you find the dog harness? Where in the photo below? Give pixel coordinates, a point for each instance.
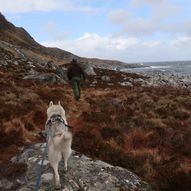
(54, 120)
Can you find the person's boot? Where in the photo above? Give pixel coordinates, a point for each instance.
(77, 98)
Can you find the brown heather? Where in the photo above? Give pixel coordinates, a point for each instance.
(144, 129)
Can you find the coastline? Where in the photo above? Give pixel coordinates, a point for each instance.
(162, 78)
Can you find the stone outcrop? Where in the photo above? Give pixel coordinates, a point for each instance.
(157, 78)
(46, 78)
(83, 174)
(88, 69)
(165, 79)
(29, 69)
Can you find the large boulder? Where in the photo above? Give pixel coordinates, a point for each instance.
(83, 173)
(89, 70)
(105, 78)
(62, 72)
(45, 77)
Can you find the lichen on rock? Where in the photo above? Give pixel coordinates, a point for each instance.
(83, 173)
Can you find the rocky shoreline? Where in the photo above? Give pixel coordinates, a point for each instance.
(160, 78)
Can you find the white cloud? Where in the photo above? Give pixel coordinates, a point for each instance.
(118, 16)
(52, 28)
(140, 26)
(163, 9)
(133, 26)
(92, 44)
(22, 6)
(148, 17)
(126, 49)
(178, 27)
(183, 41)
(159, 8)
(152, 44)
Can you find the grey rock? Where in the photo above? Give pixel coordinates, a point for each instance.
(20, 52)
(158, 78)
(89, 70)
(83, 174)
(50, 65)
(87, 67)
(15, 63)
(3, 63)
(5, 184)
(94, 82)
(105, 78)
(125, 83)
(62, 72)
(47, 177)
(45, 77)
(32, 72)
(31, 64)
(139, 81)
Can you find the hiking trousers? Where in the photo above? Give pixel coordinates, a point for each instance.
(76, 83)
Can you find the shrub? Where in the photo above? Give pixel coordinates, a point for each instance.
(29, 126)
(13, 132)
(109, 132)
(181, 114)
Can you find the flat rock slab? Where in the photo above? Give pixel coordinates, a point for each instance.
(84, 174)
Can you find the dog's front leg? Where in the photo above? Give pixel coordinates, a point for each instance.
(56, 176)
(54, 158)
(66, 154)
(66, 148)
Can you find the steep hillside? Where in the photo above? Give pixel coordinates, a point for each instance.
(20, 38)
(15, 35)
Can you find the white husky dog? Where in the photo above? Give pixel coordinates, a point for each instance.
(59, 139)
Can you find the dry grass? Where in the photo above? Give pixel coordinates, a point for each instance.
(153, 126)
(144, 129)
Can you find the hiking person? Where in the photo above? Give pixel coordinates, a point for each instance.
(76, 75)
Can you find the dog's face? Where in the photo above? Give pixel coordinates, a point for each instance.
(55, 109)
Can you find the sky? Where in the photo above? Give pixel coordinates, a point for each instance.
(125, 30)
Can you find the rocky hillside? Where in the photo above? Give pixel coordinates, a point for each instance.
(22, 40)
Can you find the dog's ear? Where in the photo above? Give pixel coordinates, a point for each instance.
(59, 103)
(50, 104)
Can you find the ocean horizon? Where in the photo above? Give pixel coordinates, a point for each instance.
(177, 67)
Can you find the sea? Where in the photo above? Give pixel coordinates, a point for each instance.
(177, 67)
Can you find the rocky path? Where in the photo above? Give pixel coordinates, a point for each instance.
(83, 174)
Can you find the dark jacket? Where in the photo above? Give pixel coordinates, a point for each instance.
(75, 71)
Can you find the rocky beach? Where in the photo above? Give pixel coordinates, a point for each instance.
(177, 74)
(159, 78)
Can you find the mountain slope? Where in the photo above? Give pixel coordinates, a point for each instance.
(19, 37)
(15, 35)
